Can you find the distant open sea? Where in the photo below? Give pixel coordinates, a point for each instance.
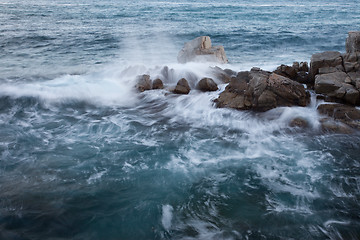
(84, 156)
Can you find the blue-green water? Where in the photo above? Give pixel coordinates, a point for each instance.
(83, 156)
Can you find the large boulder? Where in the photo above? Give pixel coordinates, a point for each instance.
(182, 87)
(261, 91)
(342, 113)
(200, 49)
(353, 42)
(206, 85)
(143, 83)
(336, 85)
(325, 60)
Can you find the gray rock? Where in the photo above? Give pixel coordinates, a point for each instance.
(324, 59)
(261, 91)
(200, 49)
(223, 75)
(343, 113)
(206, 84)
(143, 83)
(182, 87)
(157, 84)
(353, 42)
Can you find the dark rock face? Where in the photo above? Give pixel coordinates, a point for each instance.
(143, 83)
(325, 60)
(353, 42)
(206, 85)
(261, 91)
(297, 72)
(157, 84)
(200, 49)
(342, 113)
(182, 87)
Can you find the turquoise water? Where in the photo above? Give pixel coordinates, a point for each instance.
(83, 156)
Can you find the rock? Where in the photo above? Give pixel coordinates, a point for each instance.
(182, 87)
(346, 114)
(331, 126)
(335, 85)
(143, 83)
(261, 91)
(200, 49)
(355, 79)
(326, 70)
(302, 77)
(157, 84)
(304, 67)
(352, 61)
(223, 75)
(299, 123)
(206, 84)
(324, 59)
(287, 71)
(353, 42)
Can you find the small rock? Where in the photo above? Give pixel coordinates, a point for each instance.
(182, 87)
(299, 123)
(157, 84)
(143, 83)
(206, 84)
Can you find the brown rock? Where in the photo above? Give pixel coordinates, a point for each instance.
(346, 114)
(322, 60)
(299, 123)
(331, 126)
(157, 84)
(206, 85)
(182, 87)
(353, 42)
(143, 83)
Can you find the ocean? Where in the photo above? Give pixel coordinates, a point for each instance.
(85, 156)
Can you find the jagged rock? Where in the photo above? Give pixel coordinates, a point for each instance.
(261, 91)
(346, 114)
(334, 85)
(304, 67)
(353, 42)
(182, 87)
(323, 60)
(157, 84)
(200, 49)
(302, 77)
(206, 84)
(143, 83)
(287, 71)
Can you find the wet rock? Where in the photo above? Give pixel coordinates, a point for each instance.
(299, 123)
(157, 84)
(261, 91)
(353, 42)
(343, 113)
(287, 71)
(200, 49)
(143, 83)
(323, 60)
(206, 85)
(223, 75)
(331, 126)
(335, 85)
(182, 87)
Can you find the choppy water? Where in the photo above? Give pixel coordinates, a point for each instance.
(82, 156)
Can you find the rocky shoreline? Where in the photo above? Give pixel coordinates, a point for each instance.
(334, 77)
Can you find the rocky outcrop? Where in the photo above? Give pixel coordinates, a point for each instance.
(200, 49)
(297, 72)
(353, 42)
(329, 59)
(224, 75)
(342, 113)
(182, 87)
(157, 84)
(207, 85)
(143, 83)
(261, 91)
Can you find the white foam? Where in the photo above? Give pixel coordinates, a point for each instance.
(167, 216)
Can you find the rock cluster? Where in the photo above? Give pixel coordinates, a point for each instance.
(200, 49)
(261, 91)
(144, 83)
(297, 72)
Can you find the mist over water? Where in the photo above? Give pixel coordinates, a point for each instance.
(84, 156)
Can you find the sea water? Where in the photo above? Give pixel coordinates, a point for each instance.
(84, 156)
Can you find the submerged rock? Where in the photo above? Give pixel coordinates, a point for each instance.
(143, 83)
(157, 84)
(261, 91)
(182, 87)
(206, 85)
(200, 49)
(299, 123)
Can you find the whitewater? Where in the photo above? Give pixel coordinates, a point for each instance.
(83, 155)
